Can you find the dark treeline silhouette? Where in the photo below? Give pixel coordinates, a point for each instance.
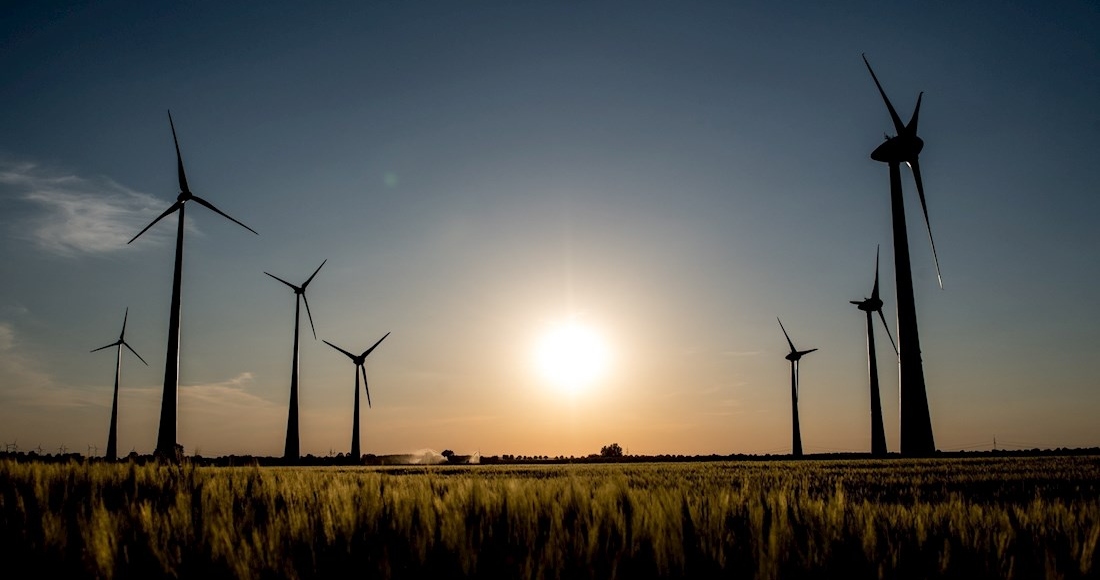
(409, 460)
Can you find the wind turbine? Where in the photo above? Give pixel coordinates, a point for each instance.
(794, 356)
(870, 306)
(112, 436)
(905, 147)
(166, 437)
(359, 361)
(291, 450)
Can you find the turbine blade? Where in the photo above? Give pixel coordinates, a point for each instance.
(310, 316)
(874, 291)
(364, 369)
(283, 281)
(211, 207)
(805, 352)
(306, 283)
(368, 351)
(135, 353)
(116, 343)
(351, 356)
(893, 114)
(912, 126)
(856, 302)
(887, 327)
(170, 209)
(785, 334)
(915, 165)
(179, 158)
(124, 317)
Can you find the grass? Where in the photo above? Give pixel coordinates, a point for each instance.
(936, 518)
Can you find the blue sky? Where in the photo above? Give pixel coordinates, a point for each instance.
(675, 175)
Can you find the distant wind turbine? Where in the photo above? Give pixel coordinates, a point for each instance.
(112, 436)
(166, 437)
(360, 361)
(870, 306)
(291, 450)
(905, 147)
(794, 356)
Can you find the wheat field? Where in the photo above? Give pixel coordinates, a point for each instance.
(937, 518)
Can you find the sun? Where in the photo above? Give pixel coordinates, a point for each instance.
(571, 356)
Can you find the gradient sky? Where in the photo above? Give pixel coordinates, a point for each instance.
(675, 174)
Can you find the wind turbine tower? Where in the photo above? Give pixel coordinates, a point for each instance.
(291, 451)
(166, 437)
(870, 306)
(794, 356)
(905, 147)
(112, 436)
(360, 361)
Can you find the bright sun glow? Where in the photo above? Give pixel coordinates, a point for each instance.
(571, 356)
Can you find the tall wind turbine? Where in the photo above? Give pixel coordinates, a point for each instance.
(291, 451)
(166, 438)
(916, 421)
(794, 356)
(870, 306)
(359, 361)
(112, 436)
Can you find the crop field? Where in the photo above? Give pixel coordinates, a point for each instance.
(938, 518)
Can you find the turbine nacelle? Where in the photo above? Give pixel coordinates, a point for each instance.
(301, 291)
(360, 361)
(899, 149)
(793, 356)
(868, 304)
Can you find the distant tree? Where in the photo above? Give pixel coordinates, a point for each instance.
(613, 450)
(447, 453)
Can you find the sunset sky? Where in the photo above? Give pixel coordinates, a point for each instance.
(672, 175)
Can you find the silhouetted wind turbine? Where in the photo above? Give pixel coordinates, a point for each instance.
(794, 356)
(916, 421)
(870, 306)
(291, 450)
(166, 437)
(112, 436)
(360, 362)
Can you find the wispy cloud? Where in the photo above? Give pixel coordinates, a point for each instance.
(77, 215)
(24, 380)
(227, 417)
(231, 395)
(17, 370)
